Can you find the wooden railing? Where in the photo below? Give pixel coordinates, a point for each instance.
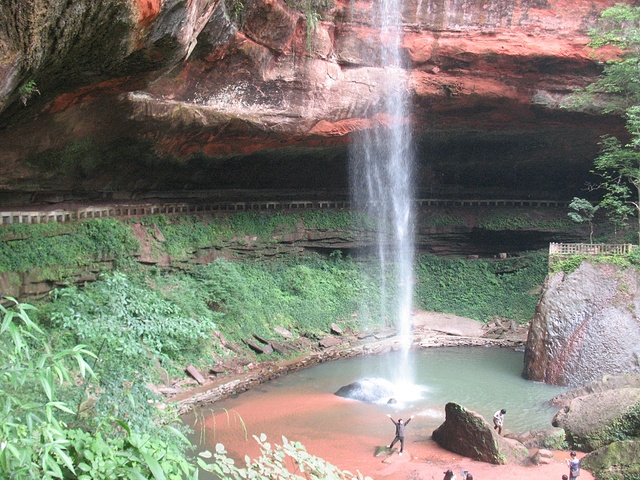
(590, 248)
(71, 214)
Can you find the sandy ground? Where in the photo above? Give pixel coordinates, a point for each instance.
(352, 450)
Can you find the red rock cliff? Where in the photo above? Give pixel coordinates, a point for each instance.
(219, 79)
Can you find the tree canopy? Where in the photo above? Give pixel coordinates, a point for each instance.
(616, 43)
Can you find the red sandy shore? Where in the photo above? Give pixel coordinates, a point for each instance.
(349, 440)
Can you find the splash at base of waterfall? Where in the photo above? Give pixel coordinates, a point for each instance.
(381, 391)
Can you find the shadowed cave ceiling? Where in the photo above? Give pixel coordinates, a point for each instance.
(120, 97)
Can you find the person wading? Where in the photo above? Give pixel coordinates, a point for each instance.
(498, 420)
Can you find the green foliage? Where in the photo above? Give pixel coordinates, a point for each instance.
(618, 91)
(583, 212)
(323, 219)
(289, 461)
(102, 456)
(185, 234)
(314, 11)
(625, 427)
(129, 322)
(618, 26)
(27, 90)
(479, 289)
(568, 265)
(304, 295)
(33, 435)
(37, 441)
(440, 220)
(571, 264)
(517, 219)
(58, 246)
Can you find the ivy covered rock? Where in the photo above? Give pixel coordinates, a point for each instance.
(617, 461)
(467, 433)
(596, 420)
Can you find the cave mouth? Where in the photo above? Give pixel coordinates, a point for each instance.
(463, 163)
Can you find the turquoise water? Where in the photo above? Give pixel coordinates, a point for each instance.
(480, 379)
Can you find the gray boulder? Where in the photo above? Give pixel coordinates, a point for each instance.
(595, 420)
(586, 324)
(368, 390)
(606, 383)
(467, 433)
(550, 438)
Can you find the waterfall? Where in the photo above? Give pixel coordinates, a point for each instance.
(381, 182)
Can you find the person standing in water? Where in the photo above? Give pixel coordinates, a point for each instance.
(498, 420)
(399, 432)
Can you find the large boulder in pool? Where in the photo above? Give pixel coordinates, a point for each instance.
(593, 421)
(368, 390)
(467, 433)
(616, 461)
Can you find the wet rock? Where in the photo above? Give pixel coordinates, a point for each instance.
(543, 457)
(368, 390)
(283, 332)
(280, 348)
(265, 349)
(218, 369)
(467, 433)
(335, 329)
(595, 420)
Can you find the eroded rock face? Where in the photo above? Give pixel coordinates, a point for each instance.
(586, 325)
(143, 82)
(467, 433)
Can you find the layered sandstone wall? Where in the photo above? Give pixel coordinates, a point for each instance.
(222, 78)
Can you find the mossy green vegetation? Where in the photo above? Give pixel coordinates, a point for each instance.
(52, 426)
(481, 289)
(619, 460)
(56, 246)
(625, 427)
(512, 218)
(571, 263)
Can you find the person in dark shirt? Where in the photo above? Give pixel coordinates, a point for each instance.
(399, 432)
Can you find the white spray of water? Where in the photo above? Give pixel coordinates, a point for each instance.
(381, 171)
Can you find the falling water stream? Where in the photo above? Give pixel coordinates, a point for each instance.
(381, 183)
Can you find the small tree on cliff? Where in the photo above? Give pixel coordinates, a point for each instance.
(584, 211)
(616, 42)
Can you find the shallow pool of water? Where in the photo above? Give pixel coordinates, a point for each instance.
(302, 406)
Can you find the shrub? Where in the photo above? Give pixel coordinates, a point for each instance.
(289, 461)
(34, 418)
(479, 289)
